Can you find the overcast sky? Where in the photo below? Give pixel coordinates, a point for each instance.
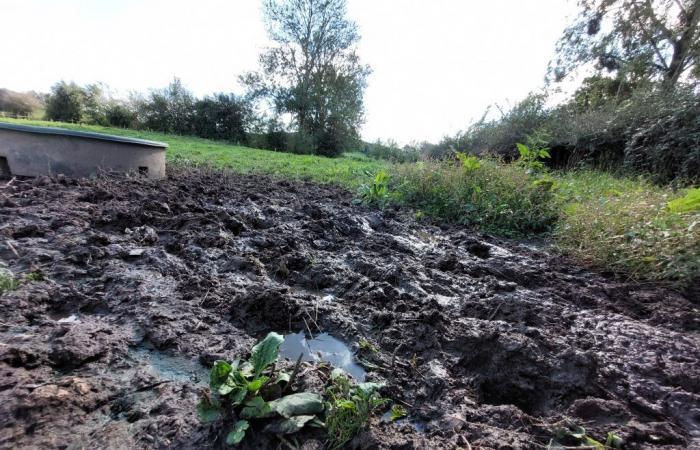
(437, 64)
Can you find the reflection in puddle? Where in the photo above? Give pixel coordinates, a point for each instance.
(323, 347)
(171, 368)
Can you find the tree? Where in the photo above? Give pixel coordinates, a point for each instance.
(65, 103)
(636, 39)
(222, 116)
(169, 110)
(313, 73)
(17, 103)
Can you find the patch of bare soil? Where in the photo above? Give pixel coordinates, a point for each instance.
(489, 343)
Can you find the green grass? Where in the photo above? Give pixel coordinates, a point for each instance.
(627, 225)
(350, 170)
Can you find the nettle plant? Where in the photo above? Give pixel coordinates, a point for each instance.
(243, 391)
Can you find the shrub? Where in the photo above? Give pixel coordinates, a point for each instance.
(65, 102)
(118, 114)
(497, 197)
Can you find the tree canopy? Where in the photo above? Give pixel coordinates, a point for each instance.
(635, 39)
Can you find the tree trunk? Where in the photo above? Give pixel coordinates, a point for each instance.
(682, 46)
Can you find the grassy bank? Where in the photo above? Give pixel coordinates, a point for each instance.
(628, 226)
(349, 170)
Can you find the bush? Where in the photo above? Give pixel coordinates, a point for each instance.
(667, 145)
(65, 103)
(648, 130)
(118, 114)
(222, 117)
(497, 197)
(390, 151)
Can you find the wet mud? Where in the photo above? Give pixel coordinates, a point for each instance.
(138, 286)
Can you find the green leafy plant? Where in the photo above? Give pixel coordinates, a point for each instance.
(377, 191)
(571, 435)
(349, 408)
(469, 163)
(7, 281)
(531, 157)
(398, 412)
(246, 390)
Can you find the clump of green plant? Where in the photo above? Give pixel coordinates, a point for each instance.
(349, 408)
(690, 202)
(397, 412)
(377, 190)
(572, 435)
(496, 197)
(247, 390)
(35, 276)
(7, 281)
(469, 162)
(531, 157)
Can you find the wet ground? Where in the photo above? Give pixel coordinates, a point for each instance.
(138, 286)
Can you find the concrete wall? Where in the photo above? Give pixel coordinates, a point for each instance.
(76, 154)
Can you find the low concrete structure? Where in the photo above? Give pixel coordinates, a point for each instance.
(30, 151)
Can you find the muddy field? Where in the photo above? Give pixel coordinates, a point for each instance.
(138, 286)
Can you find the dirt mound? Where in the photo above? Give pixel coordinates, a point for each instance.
(138, 286)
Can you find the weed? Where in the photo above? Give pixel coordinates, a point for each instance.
(398, 412)
(377, 190)
(571, 435)
(366, 345)
(245, 390)
(35, 276)
(531, 158)
(7, 281)
(469, 163)
(349, 408)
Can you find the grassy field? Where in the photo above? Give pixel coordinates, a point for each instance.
(350, 170)
(620, 224)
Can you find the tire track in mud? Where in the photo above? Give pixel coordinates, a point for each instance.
(488, 342)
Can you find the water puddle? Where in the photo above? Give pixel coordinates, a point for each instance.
(323, 347)
(171, 368)
(417, 425)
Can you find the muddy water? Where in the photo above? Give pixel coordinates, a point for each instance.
(488, 343)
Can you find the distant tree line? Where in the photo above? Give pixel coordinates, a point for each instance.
(172, 109)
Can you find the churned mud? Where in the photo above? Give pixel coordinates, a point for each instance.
(139, 286)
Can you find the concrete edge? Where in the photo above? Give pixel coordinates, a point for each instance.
(80, 134)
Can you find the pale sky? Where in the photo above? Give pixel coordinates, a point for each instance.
(437, 64)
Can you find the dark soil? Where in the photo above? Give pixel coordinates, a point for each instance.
(489, 343)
